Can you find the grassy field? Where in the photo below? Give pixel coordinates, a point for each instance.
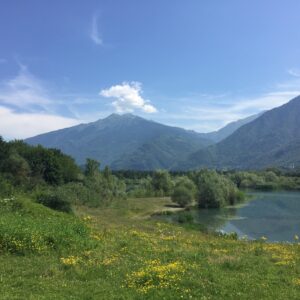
(120, 253)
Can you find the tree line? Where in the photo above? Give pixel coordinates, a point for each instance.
(54, 179)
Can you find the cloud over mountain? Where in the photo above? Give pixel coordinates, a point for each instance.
(127, 98)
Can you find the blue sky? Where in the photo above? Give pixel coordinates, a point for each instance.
(194, 64)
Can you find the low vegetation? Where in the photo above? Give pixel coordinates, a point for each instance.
(116, 253)
(71, 233)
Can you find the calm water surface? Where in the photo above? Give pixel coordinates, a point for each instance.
(275, 215)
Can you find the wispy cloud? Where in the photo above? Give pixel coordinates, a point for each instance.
(94, 31)
(27, 107)
(127, 97)
(205, 113)
(23, 125)
(294, 72)
(24, 91)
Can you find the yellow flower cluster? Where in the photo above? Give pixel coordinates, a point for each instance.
(110, 260)
(155, 275)
(87, 218)
(70, 261)
(220, 251)
(296, 281)
(96, 236)
(281, 254)
(140, 234)
(33, 243)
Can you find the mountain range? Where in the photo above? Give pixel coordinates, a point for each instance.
(127, 141)
(272, 139)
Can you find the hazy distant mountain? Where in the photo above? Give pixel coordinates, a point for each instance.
(273, 139)
(223, 133)
(124, 142)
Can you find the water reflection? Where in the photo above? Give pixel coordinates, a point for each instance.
(275, 215)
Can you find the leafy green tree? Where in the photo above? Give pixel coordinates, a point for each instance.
(92, 167)
(107, 173)
(184, 191)
(162, 183)
(3, 152)
(182, 196)
(18, 167)
(215, 190)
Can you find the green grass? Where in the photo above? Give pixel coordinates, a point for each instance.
(122, 254)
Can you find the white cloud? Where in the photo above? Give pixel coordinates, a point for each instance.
(127, 98)
(27, 107)
(94, 32)
(294, 72)
(24, 125)
(211, 114)
(24, 90)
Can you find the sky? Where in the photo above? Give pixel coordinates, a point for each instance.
(196, 64)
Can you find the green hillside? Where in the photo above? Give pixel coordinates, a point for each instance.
(119, 139)
(273, 139)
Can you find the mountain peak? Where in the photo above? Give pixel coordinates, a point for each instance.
(121, 116)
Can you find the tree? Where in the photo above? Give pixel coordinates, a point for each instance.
(184, 191)
(18, 167)
(182, 196)
(162, 183)
(92, 167)
(215, 190)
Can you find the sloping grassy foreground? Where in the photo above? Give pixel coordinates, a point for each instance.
(116, 253)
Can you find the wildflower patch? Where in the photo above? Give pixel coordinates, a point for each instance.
(156, 275)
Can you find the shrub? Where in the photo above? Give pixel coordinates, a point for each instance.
(182, 196)
(184, 191)
(6, 188)
(162, 183)
(54, 201)
(215, 190)
(185, 217)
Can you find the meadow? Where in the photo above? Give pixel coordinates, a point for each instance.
(120, 252)
(70, 232)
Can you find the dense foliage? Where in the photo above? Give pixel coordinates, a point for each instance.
(53, 178)
(215, 190)
(184, 191)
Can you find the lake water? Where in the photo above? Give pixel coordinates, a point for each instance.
(275, 215)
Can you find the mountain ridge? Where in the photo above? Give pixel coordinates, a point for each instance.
(116, 137)
(272, 139)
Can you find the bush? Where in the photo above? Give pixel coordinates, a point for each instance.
(185, 218)
(55, 202)
(6, 188)
(162, 183)
(215, 190)
(184, 191)
(182, 196)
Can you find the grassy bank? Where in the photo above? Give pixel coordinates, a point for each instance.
(119, 253)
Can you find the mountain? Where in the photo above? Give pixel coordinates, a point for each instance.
(124, 142)
(272, 139)
(223, 133)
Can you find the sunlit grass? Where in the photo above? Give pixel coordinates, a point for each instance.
(130, 256)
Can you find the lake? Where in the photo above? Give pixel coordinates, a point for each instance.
(275, 215)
